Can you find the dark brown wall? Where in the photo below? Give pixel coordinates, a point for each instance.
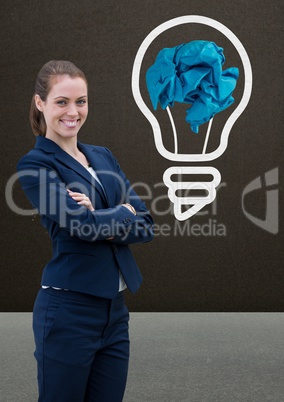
(242, 271)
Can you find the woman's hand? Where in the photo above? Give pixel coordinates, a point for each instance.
(130, 207)
(81, 199)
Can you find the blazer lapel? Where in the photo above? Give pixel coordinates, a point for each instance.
(50, 146)
(105, 175)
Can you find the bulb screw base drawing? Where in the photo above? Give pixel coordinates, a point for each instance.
(195, 203)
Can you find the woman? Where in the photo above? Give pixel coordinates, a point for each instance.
(92, 214)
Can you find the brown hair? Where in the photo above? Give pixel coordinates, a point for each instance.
(44, 84)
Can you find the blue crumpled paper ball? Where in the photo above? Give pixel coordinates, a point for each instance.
(192, 73)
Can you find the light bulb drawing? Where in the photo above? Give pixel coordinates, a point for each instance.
(179, 185)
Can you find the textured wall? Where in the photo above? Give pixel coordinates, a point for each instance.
(217, 261)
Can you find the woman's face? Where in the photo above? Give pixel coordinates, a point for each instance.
(66, 107)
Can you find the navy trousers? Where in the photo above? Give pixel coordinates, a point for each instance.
(82, 346)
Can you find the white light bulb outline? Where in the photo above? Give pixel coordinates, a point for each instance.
(135, 83)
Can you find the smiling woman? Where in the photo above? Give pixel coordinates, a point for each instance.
(92, 214)
(53, 82)
(65, 107)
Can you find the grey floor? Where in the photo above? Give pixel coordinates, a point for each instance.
(175, 357)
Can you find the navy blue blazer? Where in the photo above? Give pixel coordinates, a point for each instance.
(84, 258)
